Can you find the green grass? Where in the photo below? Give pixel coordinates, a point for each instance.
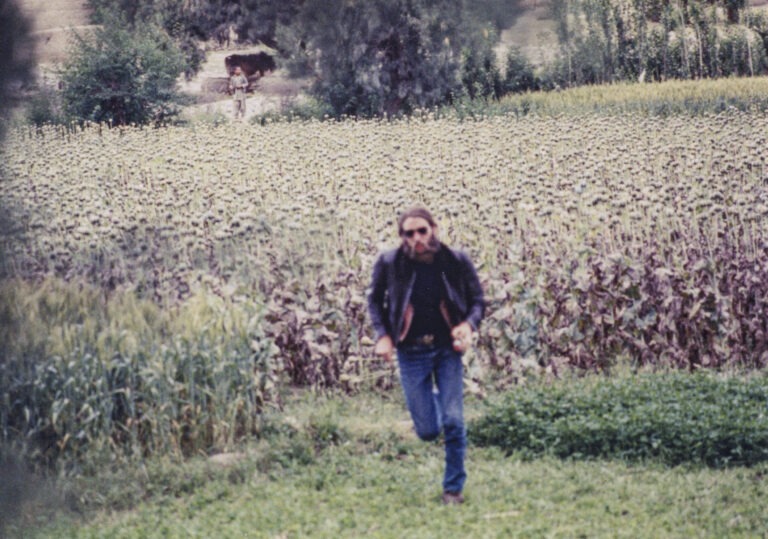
(683, 97)
(668, 98)
(350, 467)
(341, 496)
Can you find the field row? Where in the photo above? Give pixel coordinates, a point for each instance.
(296, 207)
(561, 183)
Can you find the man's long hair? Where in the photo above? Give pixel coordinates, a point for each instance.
(415, 211)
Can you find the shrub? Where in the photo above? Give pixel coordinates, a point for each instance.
(674, 418)
(123, 76)
(44, 108)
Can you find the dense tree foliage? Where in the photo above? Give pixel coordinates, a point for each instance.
(180, 20)
(656, 40)
(123, 75)
(519, 75)
(377, 57)
(369, 57)
(189, 23)
(383, 56)
(480, 73)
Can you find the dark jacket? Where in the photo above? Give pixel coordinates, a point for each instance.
(390, 291)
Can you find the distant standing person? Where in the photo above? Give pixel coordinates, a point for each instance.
(238, 84)
(425, 301)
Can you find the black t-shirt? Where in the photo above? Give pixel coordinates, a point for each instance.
(428, 292)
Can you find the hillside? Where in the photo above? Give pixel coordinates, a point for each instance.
(533, 32)
(52, 22)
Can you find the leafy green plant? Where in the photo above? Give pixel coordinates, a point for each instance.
(121, 75)
(351, 489)
(672, 418)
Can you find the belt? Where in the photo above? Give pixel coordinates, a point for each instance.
(422, 341)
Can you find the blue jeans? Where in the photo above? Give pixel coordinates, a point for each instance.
(432, 382)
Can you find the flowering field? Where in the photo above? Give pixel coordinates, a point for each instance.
(544, 205)
(598, 239)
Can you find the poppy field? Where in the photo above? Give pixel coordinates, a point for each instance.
(172, 261)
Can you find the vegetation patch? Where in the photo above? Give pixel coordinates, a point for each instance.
(84, 378)
(162, 283)
(155, 299)
(289, 486)
(657, 99)
(674, 418)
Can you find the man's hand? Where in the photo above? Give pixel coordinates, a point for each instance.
(462, 337)
(384, 348)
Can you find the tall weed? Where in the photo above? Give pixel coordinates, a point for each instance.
(85, 375)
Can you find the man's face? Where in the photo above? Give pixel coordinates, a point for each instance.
(238, 71)
(419, 238)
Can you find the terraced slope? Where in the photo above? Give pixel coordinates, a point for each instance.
(52, 21)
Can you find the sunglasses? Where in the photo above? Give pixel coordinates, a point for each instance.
(422, 230)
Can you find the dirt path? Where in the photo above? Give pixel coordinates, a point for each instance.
(273, 92)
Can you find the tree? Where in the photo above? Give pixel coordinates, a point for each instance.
(123, 75)
(519, 76)
(255, 21)
(376, 57)
(479, 73)
(187, 23)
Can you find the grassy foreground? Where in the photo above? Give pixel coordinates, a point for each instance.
(350, 467)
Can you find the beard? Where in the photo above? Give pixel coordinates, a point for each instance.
(431, 247)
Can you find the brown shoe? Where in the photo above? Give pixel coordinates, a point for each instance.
(452, 498)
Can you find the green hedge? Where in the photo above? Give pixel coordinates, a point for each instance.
(674, 418)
